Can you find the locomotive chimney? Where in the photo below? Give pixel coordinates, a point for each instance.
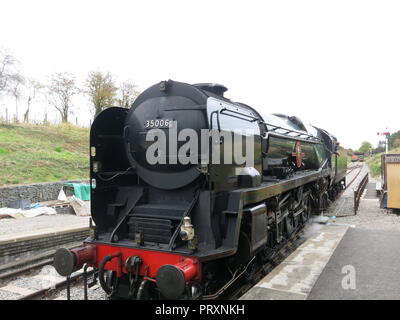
(216, 88)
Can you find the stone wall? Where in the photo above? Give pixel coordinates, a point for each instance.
(34, 192)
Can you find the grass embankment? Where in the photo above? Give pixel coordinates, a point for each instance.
(39, 153)
(374, 162)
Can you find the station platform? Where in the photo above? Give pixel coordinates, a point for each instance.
(339, 262)
(371, 256)
(28, 237)
(295, 277)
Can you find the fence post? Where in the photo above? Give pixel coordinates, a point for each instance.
(355, 202)
(358, 192)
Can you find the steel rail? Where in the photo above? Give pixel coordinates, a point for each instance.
(55, 287)
(29, 265)
(28, 268)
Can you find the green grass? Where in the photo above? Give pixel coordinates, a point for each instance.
(38, 153)
(374, 162)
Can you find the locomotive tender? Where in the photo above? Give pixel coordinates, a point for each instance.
(187, 231)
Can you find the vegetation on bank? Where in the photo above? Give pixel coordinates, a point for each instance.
(374, 162)
(39, 153)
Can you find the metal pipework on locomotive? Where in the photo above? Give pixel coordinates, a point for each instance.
(171, 279)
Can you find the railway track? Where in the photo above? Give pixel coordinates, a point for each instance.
(52, 290)
(359, 167)
(38, 281)
(35, 278)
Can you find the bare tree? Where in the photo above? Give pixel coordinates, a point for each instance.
(128, 94)
(15, 83)
(33, 87)
(7, 70)
(61, 90)
(101, 90)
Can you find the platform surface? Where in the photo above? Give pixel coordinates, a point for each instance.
(374, 255)
(294, 278)
(26, 228)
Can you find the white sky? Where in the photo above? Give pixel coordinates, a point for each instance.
(335, 64)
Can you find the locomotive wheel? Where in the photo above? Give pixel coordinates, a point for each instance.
(290, 226)
(305, 215)
(324, 203)
(214, 276)
(111, 282)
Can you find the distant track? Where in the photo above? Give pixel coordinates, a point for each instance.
(359, 167)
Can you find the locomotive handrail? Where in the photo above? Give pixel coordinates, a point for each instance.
(308, 138)
(211, 119)
(279, 135)
(253, 118)
(220, 111)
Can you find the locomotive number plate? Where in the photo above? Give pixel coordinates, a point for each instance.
(158, 123)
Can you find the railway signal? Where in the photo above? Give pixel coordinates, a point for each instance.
(387, 135)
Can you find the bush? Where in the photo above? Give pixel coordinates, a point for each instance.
(375, 167)
(4, 151)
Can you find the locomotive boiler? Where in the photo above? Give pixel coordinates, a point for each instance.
(167, 228)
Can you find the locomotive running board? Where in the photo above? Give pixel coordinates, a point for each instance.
(271, 189)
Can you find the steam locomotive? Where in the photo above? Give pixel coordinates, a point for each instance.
(170, 229)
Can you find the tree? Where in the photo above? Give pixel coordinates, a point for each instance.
(365, 147)
(33, 87)
(394, 139)
(61, 90)
(15, 83)
(380, 148)
(128, 94)
(8, 71)
(396, 143)
(101, 90)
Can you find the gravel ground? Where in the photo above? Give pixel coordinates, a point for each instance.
(8, 295)
(10, 226)
(94, 293)
(47, 277)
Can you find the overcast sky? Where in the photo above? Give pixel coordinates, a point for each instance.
(335, 64)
